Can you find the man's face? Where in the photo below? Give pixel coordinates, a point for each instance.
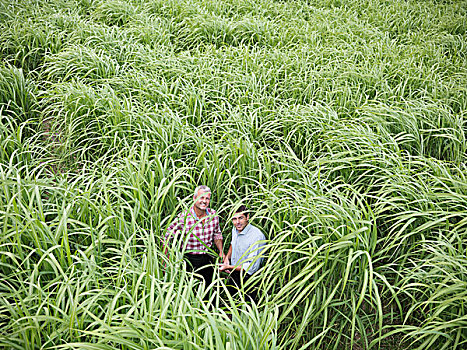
(240, 221)
(202, 200)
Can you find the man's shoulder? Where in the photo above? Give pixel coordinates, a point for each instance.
(259, 235)
(187, 213)
(184, 213)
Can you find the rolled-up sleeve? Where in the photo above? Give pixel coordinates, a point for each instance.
(215, 226)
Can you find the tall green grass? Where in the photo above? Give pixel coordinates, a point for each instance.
(341, 123)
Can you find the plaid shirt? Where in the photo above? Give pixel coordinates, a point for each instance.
(198, 230)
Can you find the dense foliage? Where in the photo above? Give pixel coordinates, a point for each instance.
(341, 122)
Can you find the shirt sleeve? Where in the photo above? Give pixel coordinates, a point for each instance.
(253, 260)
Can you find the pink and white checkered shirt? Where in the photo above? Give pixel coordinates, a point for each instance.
(205, 230)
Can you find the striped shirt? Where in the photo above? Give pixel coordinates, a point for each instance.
(198, 233)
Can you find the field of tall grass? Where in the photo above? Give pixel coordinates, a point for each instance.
(341, 123)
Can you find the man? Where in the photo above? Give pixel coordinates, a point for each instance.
(245, 251)
(200, 229)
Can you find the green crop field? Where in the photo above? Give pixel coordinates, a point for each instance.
(341, 123)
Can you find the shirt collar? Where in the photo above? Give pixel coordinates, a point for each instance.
(193, 213)
(245, 230)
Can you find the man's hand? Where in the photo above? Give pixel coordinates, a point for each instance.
(225, 267)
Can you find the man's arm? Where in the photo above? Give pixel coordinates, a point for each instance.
(218, 240)
(228, 256)
(218, 243)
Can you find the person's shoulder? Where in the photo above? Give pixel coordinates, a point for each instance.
(185, 213)
(259, 235)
